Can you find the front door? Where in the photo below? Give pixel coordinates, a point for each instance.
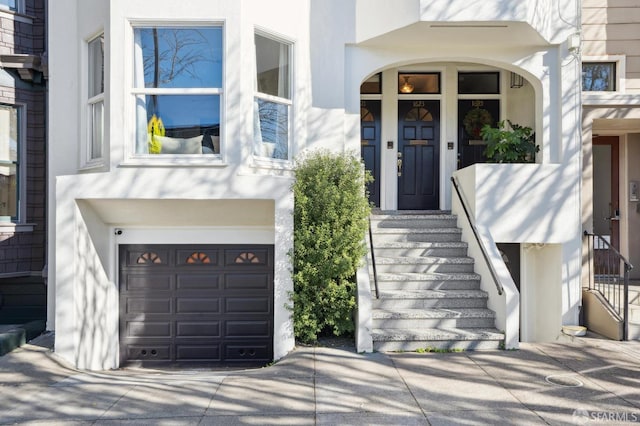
(472, 115)
(370, 146)
(606, 201)
(418, 154)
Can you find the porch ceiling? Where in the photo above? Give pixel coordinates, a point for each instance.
(423, 35)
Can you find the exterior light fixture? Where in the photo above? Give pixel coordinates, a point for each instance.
(406, 87)
(517, 81)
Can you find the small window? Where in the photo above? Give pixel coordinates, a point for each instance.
(177, 90)
(372, 85)
(13, 5)
(9, 162)
(272, 102)
(474, 83)
(419, 83)
(599, 76)
(95, 110)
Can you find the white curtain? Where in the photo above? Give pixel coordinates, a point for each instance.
(142, 145)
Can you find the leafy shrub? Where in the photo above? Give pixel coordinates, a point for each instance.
(509, 144)
(330, 221)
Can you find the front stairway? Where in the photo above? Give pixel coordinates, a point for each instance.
(429, 296)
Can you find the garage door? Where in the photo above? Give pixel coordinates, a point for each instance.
(191, 305)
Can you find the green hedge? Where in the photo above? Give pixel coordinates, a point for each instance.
(330, 221)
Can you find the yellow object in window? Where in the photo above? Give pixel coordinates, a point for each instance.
(155, 128)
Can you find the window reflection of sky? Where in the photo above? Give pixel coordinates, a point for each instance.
(187, 58)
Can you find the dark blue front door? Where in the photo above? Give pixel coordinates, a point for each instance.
(418, 155)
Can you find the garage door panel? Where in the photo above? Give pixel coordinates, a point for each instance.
(256, 352)
(149, 282)
(139, 305)
(197, 256)
(239, 281)
(198, 329)
(149, 352)
(189, 305)
(252, 305)
(243, 329)
(209, 353)
(148, 329)
(194, 306)
(197, 282)
(145, 257)
(247, 257)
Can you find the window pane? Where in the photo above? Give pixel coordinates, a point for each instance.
(179, 117)
(9, 4)
(8, 191)
(8, 134)
(96, 66)
(479, 83)
(97, 129)
(9, 125)
(272, 62)
(372, 85)
(423, 83)
(271, 137)
(173, 57)
(599, 76)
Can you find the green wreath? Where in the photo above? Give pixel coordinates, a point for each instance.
(475, 120)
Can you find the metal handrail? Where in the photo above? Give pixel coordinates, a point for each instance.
(622, 306)
(373, 261)
(492, 270)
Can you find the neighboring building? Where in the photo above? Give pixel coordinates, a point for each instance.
(611, 134)
(23, 162)
(174, 127)
(611, 123)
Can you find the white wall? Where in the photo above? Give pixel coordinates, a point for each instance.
(542, 288)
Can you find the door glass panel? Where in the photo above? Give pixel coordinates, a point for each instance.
(419, 83)
(479, 82)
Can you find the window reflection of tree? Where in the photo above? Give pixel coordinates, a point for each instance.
(274, 125)
(174, 52)
(597, 77)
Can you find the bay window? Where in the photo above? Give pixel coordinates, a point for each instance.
(272, 101)
(177, 88)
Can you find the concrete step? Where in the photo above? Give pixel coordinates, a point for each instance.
(399, 281)
(433, 318)
(382, 235)
(387, 340)
(414, 221)
(421, 299)
(418, 249)
(424, 264)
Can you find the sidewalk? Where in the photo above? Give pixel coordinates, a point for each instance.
(568, 382)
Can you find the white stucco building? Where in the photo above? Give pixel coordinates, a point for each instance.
(170, 230)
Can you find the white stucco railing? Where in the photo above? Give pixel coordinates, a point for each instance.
(495, 277)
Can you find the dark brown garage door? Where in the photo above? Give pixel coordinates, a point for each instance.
(192, 305)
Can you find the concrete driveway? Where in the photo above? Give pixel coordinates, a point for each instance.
(579, 381)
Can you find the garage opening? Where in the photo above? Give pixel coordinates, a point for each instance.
(196, 305)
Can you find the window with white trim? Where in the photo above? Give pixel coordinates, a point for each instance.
(13, 5)
(95, 102)
(272, 101)
(10, 142)
(177, 89)
(599, 76)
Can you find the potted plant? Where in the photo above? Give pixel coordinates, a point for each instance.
(509, 143)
